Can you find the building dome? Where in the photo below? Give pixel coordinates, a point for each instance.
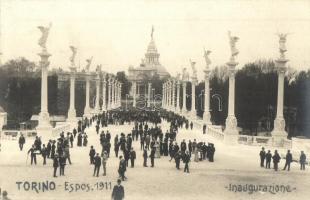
(151, 49)
(150, 64)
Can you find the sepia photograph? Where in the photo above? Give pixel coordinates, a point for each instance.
(154, 99)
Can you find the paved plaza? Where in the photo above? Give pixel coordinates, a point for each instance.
(206, 180)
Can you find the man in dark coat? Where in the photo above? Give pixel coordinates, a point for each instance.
(302, 160)
(190, 147)
(132, 157)
(97, 129)
(118, 192)
(122, 168)
(33, 155)
(142, 142)
(79, 140)
(71, 140)
(55, 164)
(92, 154)
(152, 156)
(268, 159)
(62, 164)
(262, 155)
(204, 128)
(177, 158)
(289, 159)
(183, 147)
(212, 151)
(44, 154)
(144, 157)
(126, 156)
(74, 132)
(97, 162)
(186, 160)
(116, 148)
(49, 148)
(276, 159)
(21, 142)
(191, 125)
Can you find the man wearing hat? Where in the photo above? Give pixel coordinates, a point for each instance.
(55, 164)
(33, 155)
(97, 162)
(118, 192)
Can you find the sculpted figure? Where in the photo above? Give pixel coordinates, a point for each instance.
(206, 55)
(88, 61)
(282, 41)
(44, 36)
(98, 69)
(193, 68)
(72, 58)
(232, 41)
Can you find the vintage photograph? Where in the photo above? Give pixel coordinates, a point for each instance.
(154, 99)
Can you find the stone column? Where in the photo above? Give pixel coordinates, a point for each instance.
(120, 95)
(169, 96)
(149, 90)
(231, 121)
(134, 89)
(279, 132)
(193, 109)
(184, 98)
(116, 94)
(104, 93)
(173, 95)
(72, 111)
(163, 97)
(44, 119)
(97, 106)
(113, 94)
(110, 93)
(178, 96)
(87, 108)
(206, 114)
(166, 95)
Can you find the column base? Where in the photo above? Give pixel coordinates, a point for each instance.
(44, 121)
(87, 113)
(193, 114)
(231, 124)
(279, 134)
(231, 139)
(279, 128)
(207, 118)
(72, 116)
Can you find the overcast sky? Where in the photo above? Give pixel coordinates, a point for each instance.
(117, 33)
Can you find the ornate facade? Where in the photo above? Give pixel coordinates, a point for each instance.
(149, 67)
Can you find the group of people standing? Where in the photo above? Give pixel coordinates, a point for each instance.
(265, 159)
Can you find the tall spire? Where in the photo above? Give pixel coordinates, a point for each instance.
(152, 32)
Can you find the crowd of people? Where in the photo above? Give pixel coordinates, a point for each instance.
(154, 142)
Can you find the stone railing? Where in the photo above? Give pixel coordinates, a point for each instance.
(14, 134)
(60, 127)
(255, 140)
(216, 132)
(263, 141)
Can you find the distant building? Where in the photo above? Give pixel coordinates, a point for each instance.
(149, 67)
